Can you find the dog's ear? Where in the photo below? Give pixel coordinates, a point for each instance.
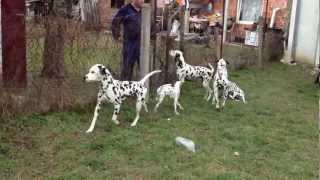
(102, 70)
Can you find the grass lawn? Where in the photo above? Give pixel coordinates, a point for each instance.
(275, 134)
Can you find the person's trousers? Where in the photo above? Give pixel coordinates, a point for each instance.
(127, 70)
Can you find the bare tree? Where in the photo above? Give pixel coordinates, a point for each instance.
(53, 57)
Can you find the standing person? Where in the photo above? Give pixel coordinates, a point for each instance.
(130, 17)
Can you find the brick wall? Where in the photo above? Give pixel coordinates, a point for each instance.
(106, 12)
(240, 28)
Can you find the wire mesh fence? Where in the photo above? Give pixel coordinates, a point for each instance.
(81, 49)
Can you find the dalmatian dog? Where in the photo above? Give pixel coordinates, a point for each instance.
(171, 91)
(230, 90)
(116, 91)
(221, 73)
(189, 72)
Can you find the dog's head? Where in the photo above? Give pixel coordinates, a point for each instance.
(222, 82)
(97, 73)
(238, 96)
(221, 63)
(178, 57)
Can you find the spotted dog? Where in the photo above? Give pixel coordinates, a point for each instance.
(171, 91)
(221, 73)
(188, 72)
(116, 91)
(230, 90)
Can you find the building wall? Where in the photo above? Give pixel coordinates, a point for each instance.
(307, 31)
(239, 31)
(106, 12)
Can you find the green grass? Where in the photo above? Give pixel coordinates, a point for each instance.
(275, 134)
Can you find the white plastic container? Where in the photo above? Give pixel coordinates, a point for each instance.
(187, 143)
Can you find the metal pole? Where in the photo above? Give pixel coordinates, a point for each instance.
(221, 43)
(292, 27)
(155, 40)
(225, 22)
(145, 41)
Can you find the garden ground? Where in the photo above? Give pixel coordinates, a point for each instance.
(275, 134)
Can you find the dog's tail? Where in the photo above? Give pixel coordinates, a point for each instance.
(142, 81)
(212, 69)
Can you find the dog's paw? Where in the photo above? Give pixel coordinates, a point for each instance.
(89, 131)
(116, 122)
(133, 124)
(177, 113)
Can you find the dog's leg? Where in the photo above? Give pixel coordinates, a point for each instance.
(115, 113)
(138, 108)
(224, 98)
(179, 105)
(216, 95)
(206, 85)
(175, 105)
(143, 100)
(95, 116)
(160, 99)
(145, 106)
(244, 99)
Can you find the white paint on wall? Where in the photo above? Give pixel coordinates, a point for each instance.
(307, 31)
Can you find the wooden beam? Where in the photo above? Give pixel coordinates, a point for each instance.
(14, 43)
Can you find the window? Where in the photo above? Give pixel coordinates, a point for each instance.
(249, 11)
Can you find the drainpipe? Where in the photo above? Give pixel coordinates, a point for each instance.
(273, 17)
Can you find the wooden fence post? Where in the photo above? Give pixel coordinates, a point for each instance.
(261, 39)
(182, 26)
(145, 41)
(14, 43)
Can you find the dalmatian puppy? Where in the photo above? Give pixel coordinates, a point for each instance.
(189, 72)
(115, 92)
(230, 90)
(171, 91)
(221, 73)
